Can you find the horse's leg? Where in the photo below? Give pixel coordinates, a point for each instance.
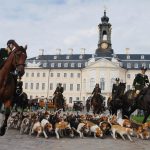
(146, 114)
(7, 106)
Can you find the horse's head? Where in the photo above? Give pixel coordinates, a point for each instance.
(18, 63)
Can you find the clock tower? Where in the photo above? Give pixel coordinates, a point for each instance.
(104, 44)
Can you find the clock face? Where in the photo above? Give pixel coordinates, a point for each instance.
(104, 45)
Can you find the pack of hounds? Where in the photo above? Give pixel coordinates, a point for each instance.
(59, 124)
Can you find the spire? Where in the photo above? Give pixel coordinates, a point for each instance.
(105, 19)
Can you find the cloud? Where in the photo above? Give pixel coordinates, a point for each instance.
(73, 24)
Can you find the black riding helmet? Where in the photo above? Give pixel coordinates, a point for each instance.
(10, 42)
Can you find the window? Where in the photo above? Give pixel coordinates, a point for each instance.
(77, 98)
(52, 74)
(38, 74)
(92, 84)
(149, 65)
(55, 57)
(59, 64)
(72, 65)
(102, 83)
(143, 64)
(52, 65)
(65, 75)
(27, 74)
(79, 64)
(81, 56)
(31, 96)
(128, 56)
(128, 65)
(44, 75)
(142, 56)
(112, 82)
(58, 74)
(65, 64)
(26, 85)
(86, 63)
(67, 57)
(71, 75)
(78, 87)
(51, 86)
(70, 99)
(136, 65)
(43, 86)
(32, 75)
(31, 87)
(78, 75)
(71, 87)
(128, 76)
(44, 64)
(37, 86)
(64, 86)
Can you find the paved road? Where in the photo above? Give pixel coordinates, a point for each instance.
(14, 141)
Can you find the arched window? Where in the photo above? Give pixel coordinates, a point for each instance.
(92, 84)
(104, 35)
(102, 83)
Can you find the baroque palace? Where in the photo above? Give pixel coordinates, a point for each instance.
(79, 73)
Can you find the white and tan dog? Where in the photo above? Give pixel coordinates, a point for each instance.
(46, 126)
(121, 131)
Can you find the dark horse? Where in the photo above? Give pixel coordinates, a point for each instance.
(141, 103)
(59, 101)
(15, 61)
(97, 103)
(115, 102)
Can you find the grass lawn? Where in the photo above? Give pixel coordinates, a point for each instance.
(139, 118)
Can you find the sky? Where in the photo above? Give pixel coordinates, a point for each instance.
(65, 24)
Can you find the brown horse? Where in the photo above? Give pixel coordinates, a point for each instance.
(15, 61)
(141, 103)
(59, 101)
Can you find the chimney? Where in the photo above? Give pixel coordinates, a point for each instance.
(127, 51)
(58, 51)
(41, 51)
(82, 51)
(70, 50)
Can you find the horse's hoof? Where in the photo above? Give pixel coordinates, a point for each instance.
(2, 131)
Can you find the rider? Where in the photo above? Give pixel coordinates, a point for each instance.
(59, 89)
(140, 83)
(96, 91)
(115, 88)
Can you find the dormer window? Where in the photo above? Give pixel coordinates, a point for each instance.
(81, 56)
(79, 64)
(72, 65)
(143, 64)
(128, 65)
(142, 56)
(136, 65)
(55, 57)
(65, 64)
(67, 57)
(44, 64)
(52, 65)
(128, 56)
(59, 64)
